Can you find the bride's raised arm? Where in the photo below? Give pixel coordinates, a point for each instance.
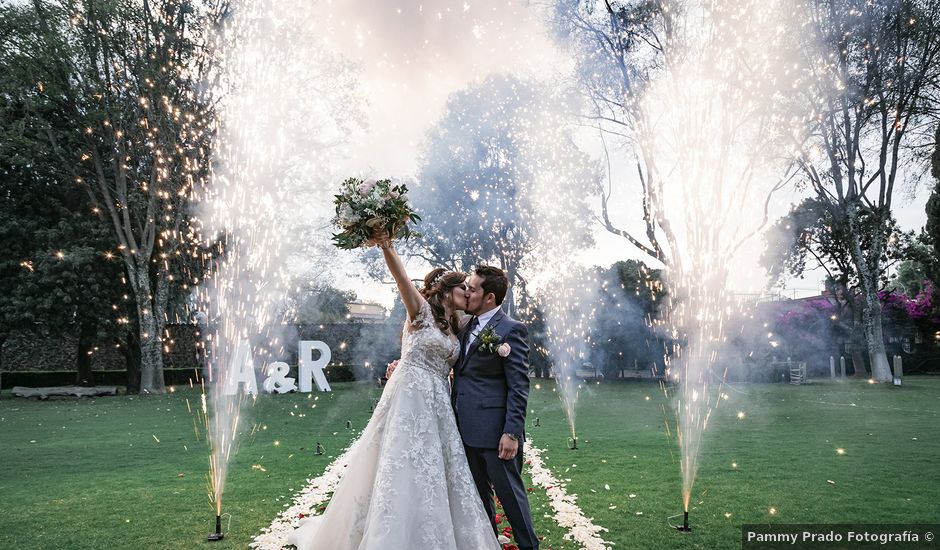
(409, 294)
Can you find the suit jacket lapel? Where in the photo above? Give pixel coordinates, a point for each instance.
(493, 322)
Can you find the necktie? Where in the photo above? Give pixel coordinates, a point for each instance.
(474, 325)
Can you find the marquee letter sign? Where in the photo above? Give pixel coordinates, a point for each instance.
(277, 380)
(307, 368)
(242, 371)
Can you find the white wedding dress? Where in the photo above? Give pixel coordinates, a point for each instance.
(408, 484)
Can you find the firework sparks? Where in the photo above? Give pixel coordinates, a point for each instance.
(716, 122)
(275, 146)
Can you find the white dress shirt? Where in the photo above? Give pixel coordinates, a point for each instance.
(483, 320)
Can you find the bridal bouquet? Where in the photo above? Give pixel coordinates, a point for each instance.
(364, 206)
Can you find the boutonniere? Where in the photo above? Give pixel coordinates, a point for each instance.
(490, 343)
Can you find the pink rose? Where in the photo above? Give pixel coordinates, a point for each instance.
(366, 187)
(503, 350)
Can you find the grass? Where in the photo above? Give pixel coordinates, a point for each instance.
(130, 472)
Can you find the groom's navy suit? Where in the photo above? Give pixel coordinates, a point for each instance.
(489, 397)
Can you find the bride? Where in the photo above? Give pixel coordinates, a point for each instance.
(408, 484)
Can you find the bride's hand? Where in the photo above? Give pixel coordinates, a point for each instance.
(391, 368)
(380, 238)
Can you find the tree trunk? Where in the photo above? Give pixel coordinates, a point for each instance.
(151, 352)
(509, 301)
(857, 340)
(858, 363)
(874, 338)
(151, 355)
(160, 303)
(131, 352)
(3, 340)
(86, 338)
(871, 307)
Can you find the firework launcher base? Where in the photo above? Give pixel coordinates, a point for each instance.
(218, 530)
(685, 524)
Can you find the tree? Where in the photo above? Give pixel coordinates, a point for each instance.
(873, 88)
(620, 48)
(642, 284)
(501, 151)
(808, 238)
(319, 303)
(801, 329)
(113, 89)
(914, 271)
(626, 329)
(932, 227)
(57, 273)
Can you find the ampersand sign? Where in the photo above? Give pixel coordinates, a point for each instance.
(277, 380)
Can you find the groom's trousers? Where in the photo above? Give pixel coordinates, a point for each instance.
(506, 480)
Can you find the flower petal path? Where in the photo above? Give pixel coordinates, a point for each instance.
(567, 514)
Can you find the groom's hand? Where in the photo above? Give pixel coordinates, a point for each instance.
(508, 447)
(391, 368)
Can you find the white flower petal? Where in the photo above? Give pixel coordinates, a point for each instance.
(567, 513)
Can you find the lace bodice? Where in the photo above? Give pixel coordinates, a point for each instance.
(423, 345)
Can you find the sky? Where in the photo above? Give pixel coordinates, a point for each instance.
(411, 56)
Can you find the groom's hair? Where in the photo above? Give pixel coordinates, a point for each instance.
(494, 280)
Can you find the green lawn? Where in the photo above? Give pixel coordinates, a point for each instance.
(130, 472)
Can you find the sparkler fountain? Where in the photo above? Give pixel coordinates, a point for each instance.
(270, 157)
(719, 120)
(568, 322)
(569, 303)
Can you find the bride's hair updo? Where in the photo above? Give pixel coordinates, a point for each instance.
(437, 285)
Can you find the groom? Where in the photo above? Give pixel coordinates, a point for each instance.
(490, 393)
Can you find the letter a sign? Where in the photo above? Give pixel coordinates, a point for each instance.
(241, 370)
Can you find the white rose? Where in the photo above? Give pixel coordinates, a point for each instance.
(347, 214)
(503, 350)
